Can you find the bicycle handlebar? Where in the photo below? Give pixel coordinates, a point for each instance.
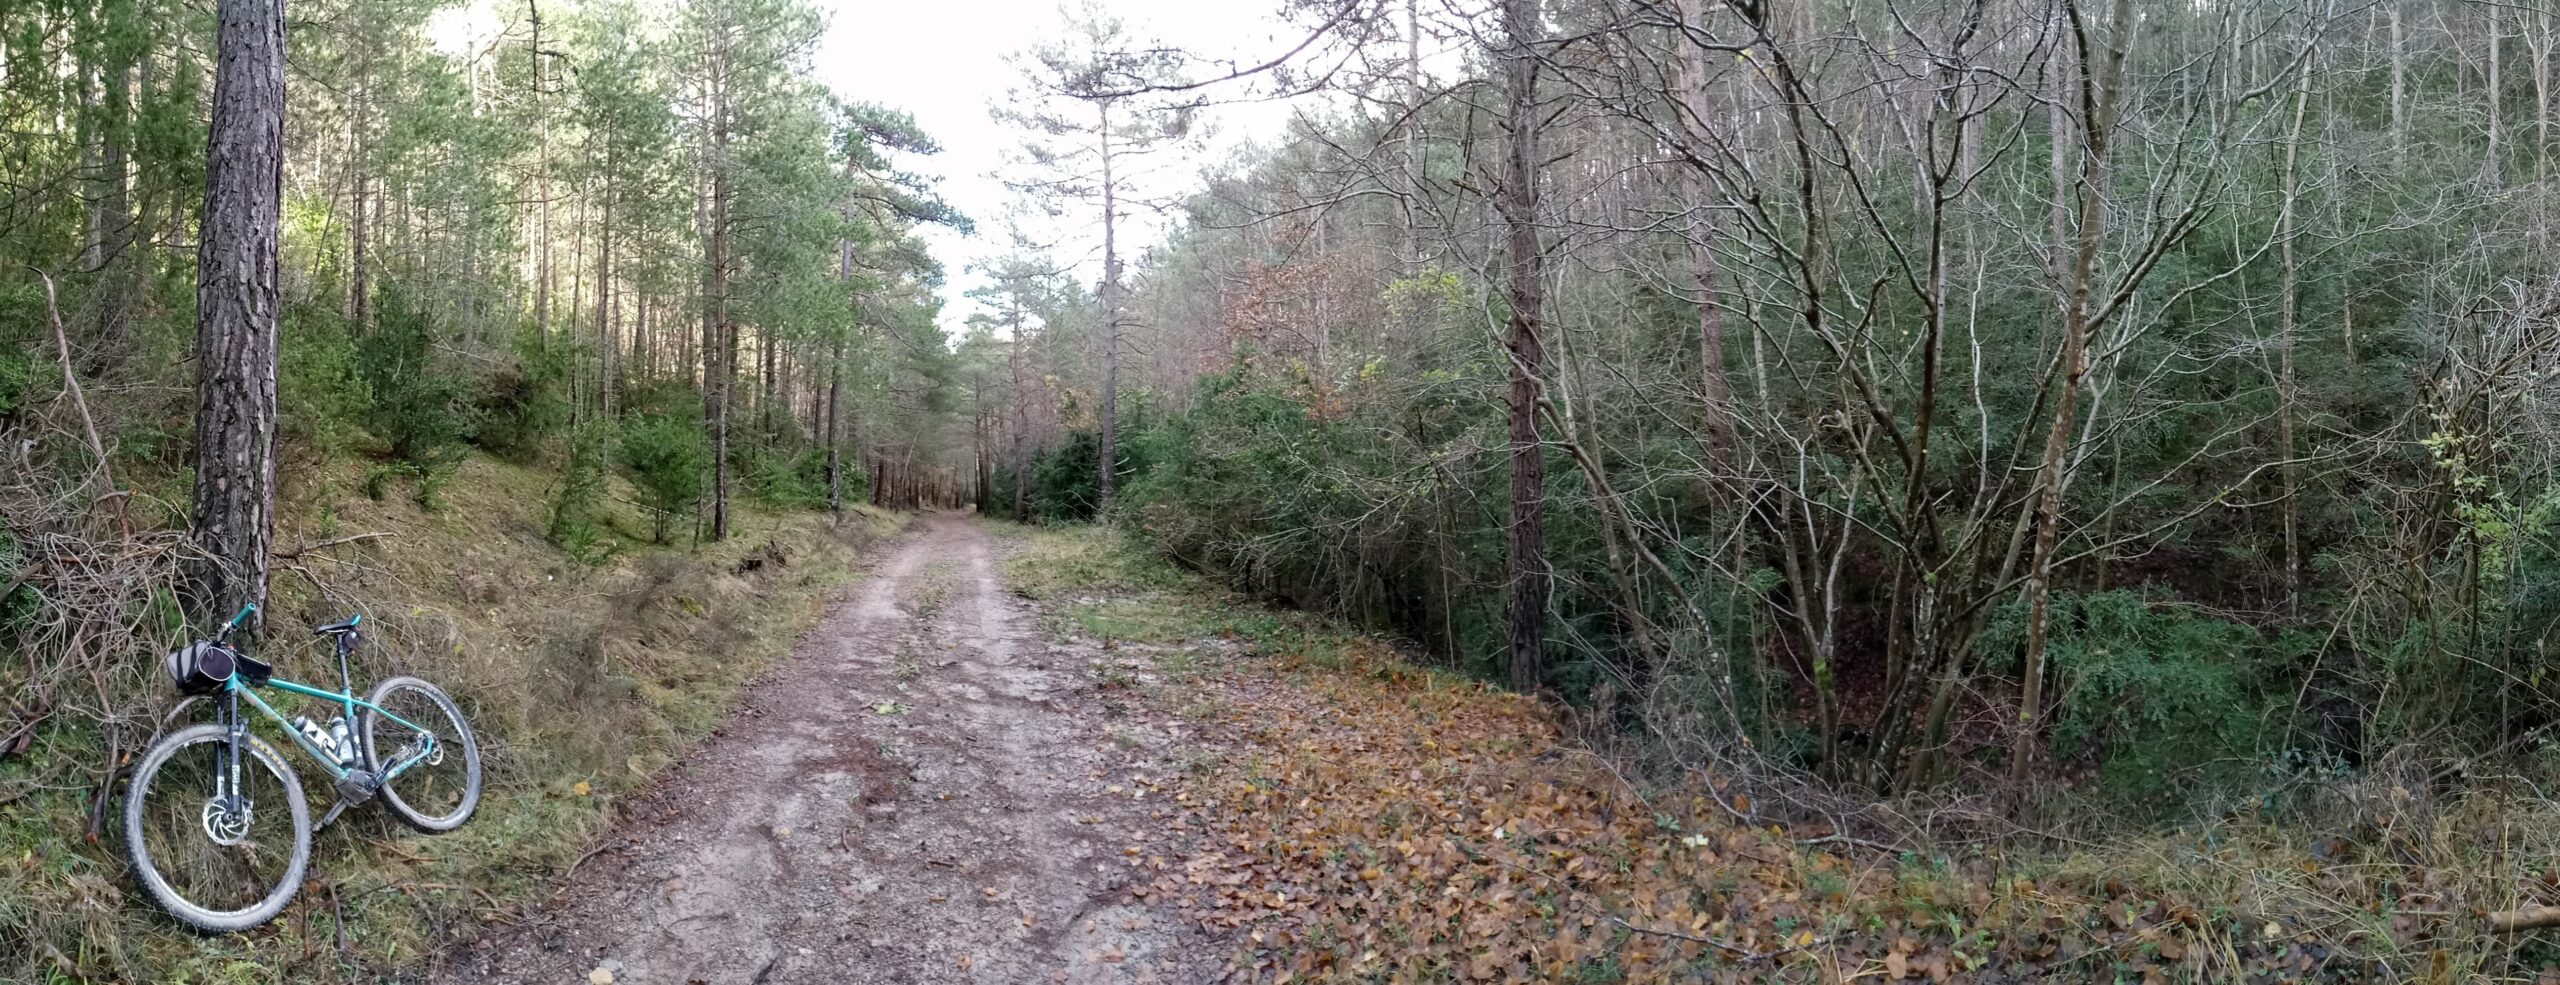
(225, 633)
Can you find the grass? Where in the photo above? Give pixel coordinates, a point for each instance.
(1097, 583)
(2382, 877)
(583, 679)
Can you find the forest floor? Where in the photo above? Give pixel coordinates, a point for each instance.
(1013, 755)
(1043, 756)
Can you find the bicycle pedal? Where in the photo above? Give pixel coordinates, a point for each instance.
(334, 810)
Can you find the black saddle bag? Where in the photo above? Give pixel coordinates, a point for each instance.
(200, 668)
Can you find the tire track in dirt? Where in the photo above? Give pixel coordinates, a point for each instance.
(910, 797)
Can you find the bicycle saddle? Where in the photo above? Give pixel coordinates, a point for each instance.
(348, 626)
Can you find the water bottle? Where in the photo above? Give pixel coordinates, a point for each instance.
(311, 730)
(344, 744)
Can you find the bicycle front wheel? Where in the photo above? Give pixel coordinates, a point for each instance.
(438, 761)
(219, 858)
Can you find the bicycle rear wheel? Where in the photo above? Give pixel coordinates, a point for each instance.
(219, 863)
(439, 790)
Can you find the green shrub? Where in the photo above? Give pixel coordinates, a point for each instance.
(17, 376)
(2162, 700)
(1066, 483)
(421, 410)
(526, 402)
(321, 397)
(793, 480)
(659, 397)
(666, 455)
(577, 506)
(26, 344)
(19, 605)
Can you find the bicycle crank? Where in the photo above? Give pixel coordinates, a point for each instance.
(354, 788)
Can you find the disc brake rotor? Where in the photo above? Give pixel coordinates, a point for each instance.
(228, 828)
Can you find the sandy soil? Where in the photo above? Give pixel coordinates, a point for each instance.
(926, 791)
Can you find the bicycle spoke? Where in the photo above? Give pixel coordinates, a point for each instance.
(222, 853)
(434, 785)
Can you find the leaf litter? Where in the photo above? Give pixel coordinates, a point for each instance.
(1363, 819)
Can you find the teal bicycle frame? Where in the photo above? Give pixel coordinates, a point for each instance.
(344, 698)
(340, 774)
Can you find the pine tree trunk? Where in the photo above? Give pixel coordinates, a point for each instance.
(1021, 428)
(768, 379)
(359, 232)
(835, 454)
(608, 342)
(1517, 199)
(234, 496)
(2289, 304)
(111, 217)
(720, 347)
(2494, 92)
(1713, 397)
(2399, 90)
(542, 192)
(1110, 451)
(1410, 255)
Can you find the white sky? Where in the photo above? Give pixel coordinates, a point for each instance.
(944, 61)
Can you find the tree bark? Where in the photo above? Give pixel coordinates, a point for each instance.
(2096, 98)
(835, 384)
(542, 188)
(1021, 425)
(2399, 91)
(835, 454)
(359, 230)
(2493, 94)
(1110, 457)
(2289, 304)
(1517, 200)
(608, 338)
(111, 217)
(1713, 395)
(234, 495)
(720, 344)
(1410, 253)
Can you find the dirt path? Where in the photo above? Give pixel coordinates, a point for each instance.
(923, 792)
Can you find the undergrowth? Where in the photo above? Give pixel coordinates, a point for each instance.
(585, 675)
(1355, 817)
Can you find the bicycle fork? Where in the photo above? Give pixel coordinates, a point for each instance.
(226, 816)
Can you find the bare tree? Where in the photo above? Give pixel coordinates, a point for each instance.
(2098, 85)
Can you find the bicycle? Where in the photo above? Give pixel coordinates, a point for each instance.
(200, 819)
